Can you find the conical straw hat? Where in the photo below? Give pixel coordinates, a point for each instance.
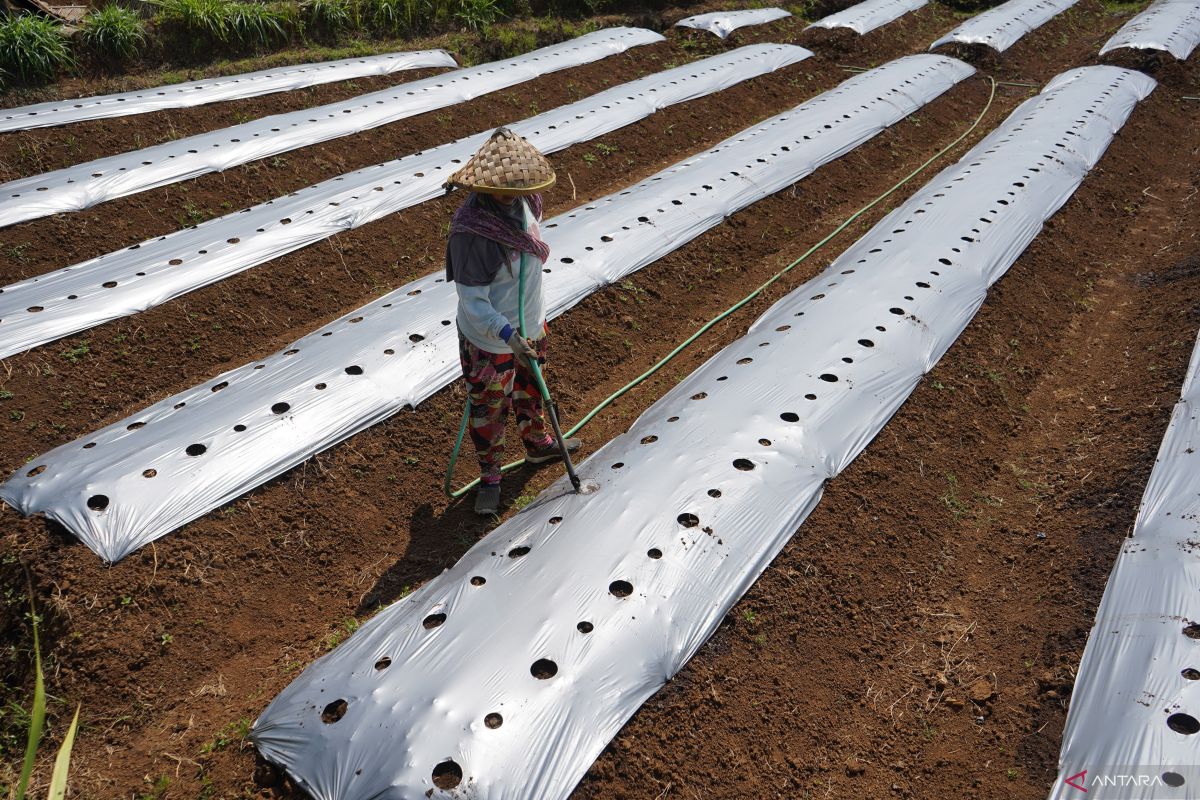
(506, 164)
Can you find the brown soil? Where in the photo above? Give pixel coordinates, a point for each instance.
(918, 638)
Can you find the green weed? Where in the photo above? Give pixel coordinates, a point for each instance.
(75, 354)
(192, 215)
(393, 16)
(509, 42)
(951, 499)
(158, 789)
(17, 252)
(477, 15)
(257, 26)
(36, 725)
(33, 49)
(114, 33)
(329, 17)
(1121, 6)
(347, 627)
(198, 26)
(232, 734)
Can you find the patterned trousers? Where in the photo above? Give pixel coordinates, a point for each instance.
(495, 383)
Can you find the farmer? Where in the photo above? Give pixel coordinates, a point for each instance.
(492, 235)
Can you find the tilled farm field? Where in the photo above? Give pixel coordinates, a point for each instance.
(920, 634)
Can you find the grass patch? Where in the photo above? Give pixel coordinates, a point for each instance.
(476, 15)
(33, 49)
(329, 18)
(113, 33)
(200, 26)
(1122, 6)
(391, 16)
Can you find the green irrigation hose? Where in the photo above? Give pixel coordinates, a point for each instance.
(462, 428)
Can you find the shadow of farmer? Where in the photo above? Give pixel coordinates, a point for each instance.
(437, 542)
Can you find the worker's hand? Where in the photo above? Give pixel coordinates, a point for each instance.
(522, 349)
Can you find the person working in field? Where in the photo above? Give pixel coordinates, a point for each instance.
(493, 239)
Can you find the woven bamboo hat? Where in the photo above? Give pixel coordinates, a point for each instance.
(506, 164)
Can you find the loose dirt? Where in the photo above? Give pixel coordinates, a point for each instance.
(918, 638)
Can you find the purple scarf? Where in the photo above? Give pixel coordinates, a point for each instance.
(476, 216)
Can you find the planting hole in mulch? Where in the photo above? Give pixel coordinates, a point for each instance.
(1192, 631)
(585, 627)
(1173, 779)
(744, 464)
(517, 552)
(543, 669)
(493, 720)
(447, 775)
(1190, 673)
(654, 552)
(333, 712)
(478, 580)
(433, 621)
(98, 502)
(620, 588)
(383, 663)
(688, 520)
(1183, 723)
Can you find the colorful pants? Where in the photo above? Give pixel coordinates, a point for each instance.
(496, 382)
